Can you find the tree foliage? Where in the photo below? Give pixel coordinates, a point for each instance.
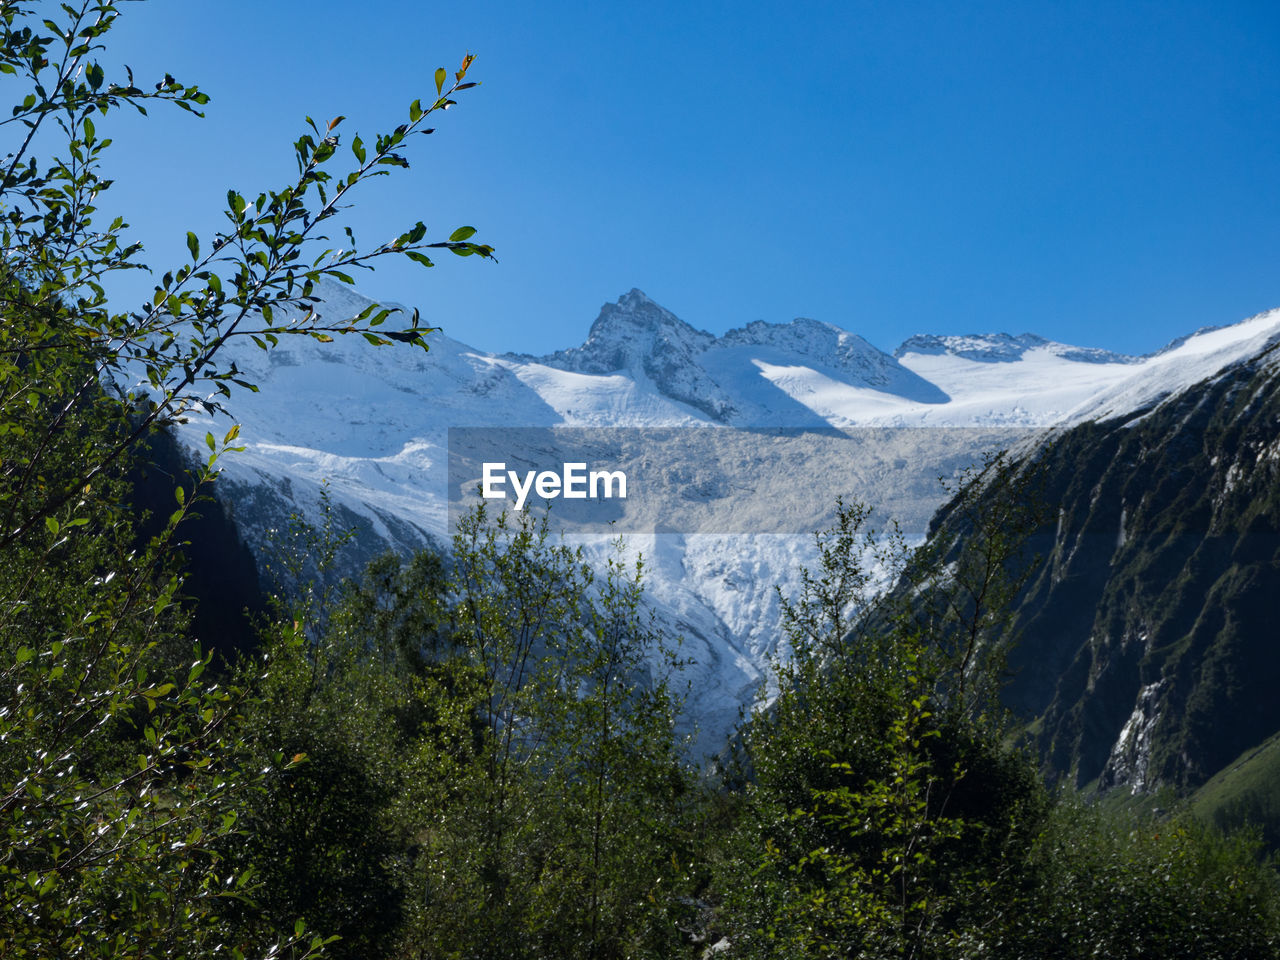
(492, 764)
(64, 342)
(879, 797)
(557, 832)
(124, 763)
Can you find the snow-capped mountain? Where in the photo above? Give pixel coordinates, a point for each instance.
(637, 337)
(720, 376)
(372, 424)
(1003, 348)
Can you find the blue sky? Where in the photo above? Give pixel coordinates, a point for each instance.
(1100, 173)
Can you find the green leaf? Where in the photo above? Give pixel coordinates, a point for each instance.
(440, 78)
(462, 233)
(415, 111)
(193, 244)
(51, 525)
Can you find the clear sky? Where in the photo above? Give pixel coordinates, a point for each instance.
(1102, 173)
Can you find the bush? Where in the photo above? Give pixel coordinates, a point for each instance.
(1108, 884)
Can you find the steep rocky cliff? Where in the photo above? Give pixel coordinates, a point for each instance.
(1149, 648)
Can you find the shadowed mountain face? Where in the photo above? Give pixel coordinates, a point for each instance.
(1149, 647)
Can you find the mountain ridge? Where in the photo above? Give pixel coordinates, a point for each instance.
(1004, 347)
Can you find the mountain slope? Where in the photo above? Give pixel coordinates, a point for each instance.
(1148, 649)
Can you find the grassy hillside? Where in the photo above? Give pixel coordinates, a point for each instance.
(1246, 792)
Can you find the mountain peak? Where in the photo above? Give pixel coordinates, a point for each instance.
(635, 298)
(802, 334)
(638, 337)
(635, 311)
